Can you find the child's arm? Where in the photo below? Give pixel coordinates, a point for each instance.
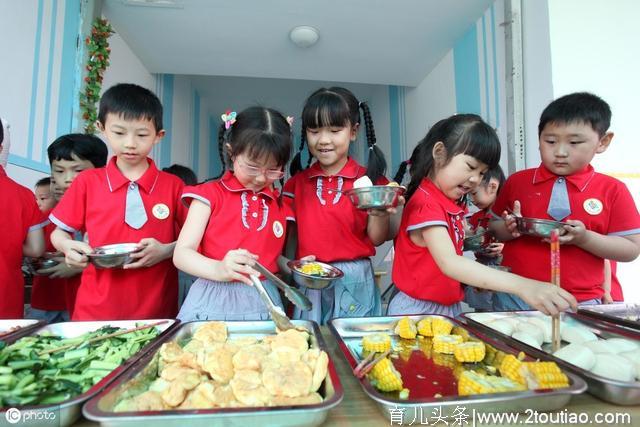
(606, 285)
(236, 264)
(506, 228)
(75, 252)
(616, 248)
(543, 296)
(33, 245)
(152, 252)
(378, 226)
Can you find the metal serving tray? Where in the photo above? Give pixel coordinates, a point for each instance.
(67, 412)
(627, 315)
(100, 407)
(610, 390)
(25, 326)
(349, 333)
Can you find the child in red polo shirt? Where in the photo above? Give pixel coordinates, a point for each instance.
(236, 219)
(428, 265)
(44, 196)
(21, 226)
(129, 200)
(54, 289)
(603, 219)
(328, 224)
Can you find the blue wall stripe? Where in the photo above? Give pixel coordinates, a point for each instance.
(495, 64)
(467, 76)
(34, 79)
(67, 96)
(14, 159)
(47, 102)
(394, 122)
(195, 148)
(215, 166)
(486, 70)
(167, 117)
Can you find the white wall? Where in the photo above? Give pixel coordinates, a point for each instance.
(594, 48)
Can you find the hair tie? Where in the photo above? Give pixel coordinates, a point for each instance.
(229, 118)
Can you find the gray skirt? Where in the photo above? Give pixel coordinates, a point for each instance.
(210, 300)
(403, 304)
(354, 295)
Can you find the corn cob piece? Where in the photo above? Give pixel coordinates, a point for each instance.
(385, 377)
(471, 382)
(459, 330)
(406, 328)
(470, 351)
(378, 343)
(424, 327)
(510, 368)
(446, 360)
(441, 326)
(543, 375)
(446, 343)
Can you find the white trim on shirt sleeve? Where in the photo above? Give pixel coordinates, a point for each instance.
(39, 226)
(194, 196)
(625, 232)
(61, 224)
(426, 224)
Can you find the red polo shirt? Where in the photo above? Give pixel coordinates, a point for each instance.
(20, 215)
(480, 218)
(95, 203)
(47, 293)
(329, 225)
(242, 218)
(415, 272)
(601, 202)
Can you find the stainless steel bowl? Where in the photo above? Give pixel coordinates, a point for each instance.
(376, 196)
(329, 274)
(477, 242)
(45, 261)
(538, 227)
(113, 256)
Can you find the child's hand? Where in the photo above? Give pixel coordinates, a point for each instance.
(75, 253)
(510, 219)
(150, 253)
(60, 271)
(493, 250)
(388, 211)
(546, 297)
(574, 234)
(236, 266)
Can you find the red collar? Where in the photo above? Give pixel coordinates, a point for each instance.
(231, 183)
(350, 170)
(116, 179)
(580, 180)
(434, 192)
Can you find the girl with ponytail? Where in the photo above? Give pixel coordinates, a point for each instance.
(328, 224)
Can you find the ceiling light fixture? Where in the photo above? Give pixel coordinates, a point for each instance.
(304, 36)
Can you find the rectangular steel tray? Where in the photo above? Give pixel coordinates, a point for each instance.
(100, 407)
(627, 315)
(25, 325)
(68, 411)
(349, 333)
(613, 391)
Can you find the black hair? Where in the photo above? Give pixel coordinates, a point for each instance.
(184, 173)
(84, 146)
(259, 132)
(579, 107)
(132, 102)
(1, 132)
(461, 134)
(46, 181)
(402, 170)
(337, 106)
(493, 173)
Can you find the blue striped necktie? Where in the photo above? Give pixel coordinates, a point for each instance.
(559, 207)
(134, 214)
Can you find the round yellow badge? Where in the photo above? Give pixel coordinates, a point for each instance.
(278, 229)
(592, 206)
(161, 211)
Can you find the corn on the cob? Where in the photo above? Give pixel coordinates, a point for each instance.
(446, 343)
(406, 328)
(459, 330)
(378, 343)
(385, 377)
(470, 351)
(446, 360)
(471, 382)
(543, 375)
(441, 326)
(424, 327)
(510, 368)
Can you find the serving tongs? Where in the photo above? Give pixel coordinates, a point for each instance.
(299, 299)
(277, 314)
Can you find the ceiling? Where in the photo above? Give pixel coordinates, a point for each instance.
(389, 42)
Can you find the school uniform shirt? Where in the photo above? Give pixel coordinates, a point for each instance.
(49, 294)
(480, 218)
(329, 225)
(95, 203)
(241, 218)
(601, 202)
(415, 272)
(20, 215)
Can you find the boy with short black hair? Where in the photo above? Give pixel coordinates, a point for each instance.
(129, 200)
(21, 224)
(603, 220)
(44, 198)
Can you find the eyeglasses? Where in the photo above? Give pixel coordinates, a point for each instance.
(255, 171)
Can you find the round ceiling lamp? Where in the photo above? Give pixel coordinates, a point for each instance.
(304, 36)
